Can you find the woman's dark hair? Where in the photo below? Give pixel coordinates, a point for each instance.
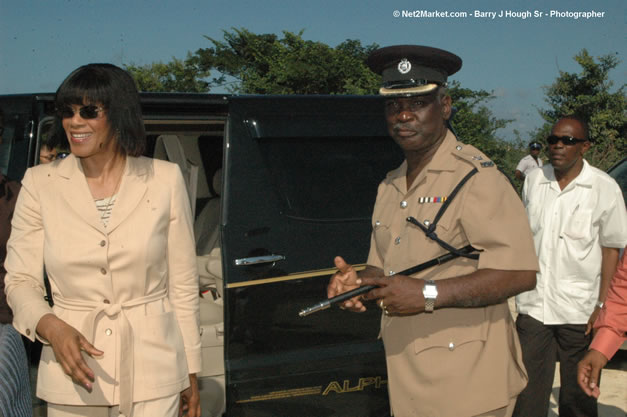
(113, 89)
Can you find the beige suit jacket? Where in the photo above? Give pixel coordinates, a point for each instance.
(131, 288)
(454, 362)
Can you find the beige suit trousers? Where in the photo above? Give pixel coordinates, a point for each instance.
(165, 407)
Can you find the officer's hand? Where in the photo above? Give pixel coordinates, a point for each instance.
(68, 344)
(588, 370)
(398, 294)
(345, 279)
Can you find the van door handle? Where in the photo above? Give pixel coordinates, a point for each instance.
(255, 260)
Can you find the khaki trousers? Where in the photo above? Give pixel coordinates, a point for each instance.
(501, 412)
(162, 407)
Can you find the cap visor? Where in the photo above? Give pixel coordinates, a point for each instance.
(412, 91)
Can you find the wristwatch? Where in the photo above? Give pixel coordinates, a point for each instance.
(600, 304)
(430, 292)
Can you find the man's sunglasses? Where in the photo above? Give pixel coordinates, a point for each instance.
(566, 140)
(86, 112)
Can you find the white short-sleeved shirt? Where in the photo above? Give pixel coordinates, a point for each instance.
(569, 228)
(528, 164)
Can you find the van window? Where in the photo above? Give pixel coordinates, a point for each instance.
(314, 175)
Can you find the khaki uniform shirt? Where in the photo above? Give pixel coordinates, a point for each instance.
(456, 361)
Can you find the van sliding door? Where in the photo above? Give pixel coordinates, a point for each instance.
(300, 181)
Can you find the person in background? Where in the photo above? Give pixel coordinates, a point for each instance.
(611, 332)
(47, 154)
(8, 195)
(114, 231)
(577, 216)
(529, 162)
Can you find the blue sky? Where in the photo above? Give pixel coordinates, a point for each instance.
(41, 41)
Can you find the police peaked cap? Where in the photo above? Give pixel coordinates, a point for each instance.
(412, 69)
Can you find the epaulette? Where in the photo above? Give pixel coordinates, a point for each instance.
(472, 155)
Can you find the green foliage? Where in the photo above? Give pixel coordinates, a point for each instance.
(250, 63)
(176, 75)
(587, 95)
(475, 125)
(267, 64)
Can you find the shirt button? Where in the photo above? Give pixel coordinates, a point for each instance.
(391, 272)
(106, 301)
(27, 332)
(103, 243)
(451, 346)
(103, 271)
(403, 204)
(397, 240)
(108, 332)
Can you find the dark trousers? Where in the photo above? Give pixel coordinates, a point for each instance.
(541, 345)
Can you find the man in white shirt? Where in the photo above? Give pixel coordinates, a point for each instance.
(529, 162)
(578, 220)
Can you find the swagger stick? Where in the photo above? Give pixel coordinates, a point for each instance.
(362, 290)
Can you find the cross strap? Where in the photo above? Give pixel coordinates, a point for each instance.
(430, 229)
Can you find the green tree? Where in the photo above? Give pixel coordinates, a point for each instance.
(587, 95)
(250, 63)
(267, 64)
(177, 75)
(476, 125)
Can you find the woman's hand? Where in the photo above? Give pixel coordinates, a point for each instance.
(190, 398)
(67, 344)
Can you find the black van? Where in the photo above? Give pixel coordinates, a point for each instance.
(280, 186)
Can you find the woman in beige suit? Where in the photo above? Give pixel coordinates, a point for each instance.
(114, 231)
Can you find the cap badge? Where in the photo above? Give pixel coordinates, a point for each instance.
(404, 66)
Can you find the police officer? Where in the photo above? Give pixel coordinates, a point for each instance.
(529, 162)
(451, 346)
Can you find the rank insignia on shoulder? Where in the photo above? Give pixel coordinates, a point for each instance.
(487, 164)
(477, 158)
(423, 200)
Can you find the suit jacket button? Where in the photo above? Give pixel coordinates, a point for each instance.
(451, 346)
(108, 332)
(103, 271)
(106, 301)
(103, 243)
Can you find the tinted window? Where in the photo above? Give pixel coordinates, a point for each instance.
(316, 178)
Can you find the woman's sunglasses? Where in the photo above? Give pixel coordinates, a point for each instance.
(86, 112)
(566, 140)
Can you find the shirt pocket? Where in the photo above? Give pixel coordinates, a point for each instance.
(382, 236)
(579, 225)
(576, 295)
(456, 329)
